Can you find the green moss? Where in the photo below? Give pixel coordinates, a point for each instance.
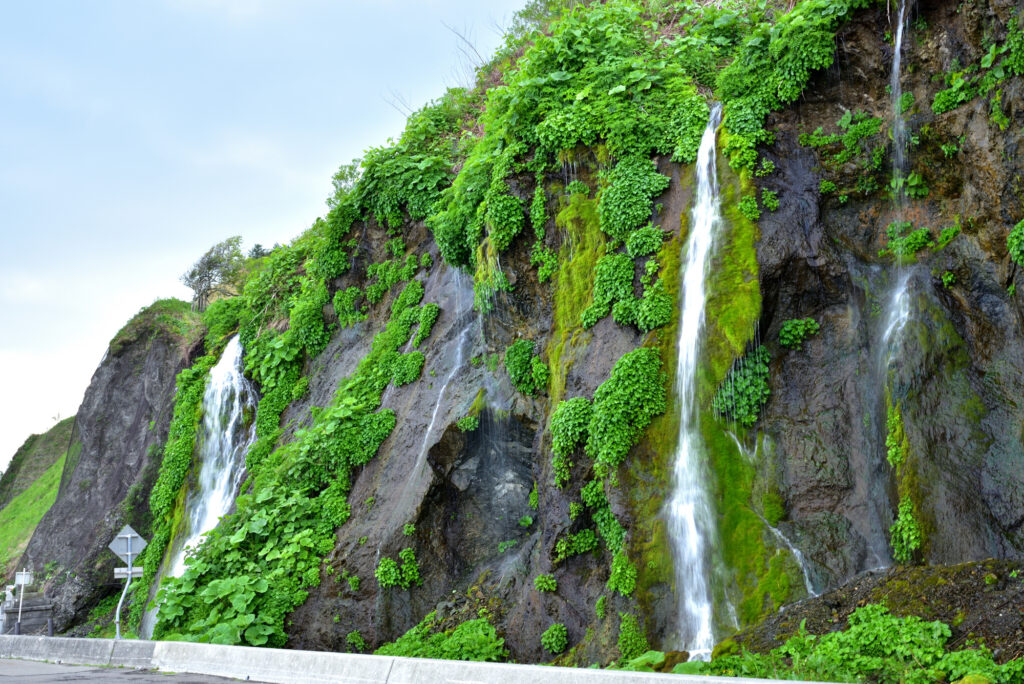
(734, 293)
(573, 283)
(650, 468)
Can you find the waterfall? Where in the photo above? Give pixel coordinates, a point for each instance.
(898, 306)
(899, 126)
(691, 524)
(227, 432)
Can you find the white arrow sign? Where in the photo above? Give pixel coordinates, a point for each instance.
(122, 573)
(127, 544)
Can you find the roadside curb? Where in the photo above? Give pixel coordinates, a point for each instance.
(284, 666)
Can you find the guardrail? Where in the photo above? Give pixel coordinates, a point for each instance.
(284, 666)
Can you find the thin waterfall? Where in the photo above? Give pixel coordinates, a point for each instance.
(691, 524)
(898, 306)
(227, 432)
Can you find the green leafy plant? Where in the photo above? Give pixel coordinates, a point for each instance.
(795, 330)
(827, 187)
(948, 279)
(555, 638)
(745, 389)
(528, 373)
(632, 641)
(601, 607)
(876, 646)
(623, 575)
(769, 200)
(748, 207)
(472, 640)
(408, 529)
(468, 423)
(903, 242)
(905, 533)
(526, 521)
(895, 440)
(356, 641)
(1015, 243)
(545, 583)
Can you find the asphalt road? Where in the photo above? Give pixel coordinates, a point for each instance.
(31, 672)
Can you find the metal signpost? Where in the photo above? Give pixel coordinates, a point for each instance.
(21, 578)
(126, 545)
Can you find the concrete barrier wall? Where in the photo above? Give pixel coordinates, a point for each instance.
(283, 666)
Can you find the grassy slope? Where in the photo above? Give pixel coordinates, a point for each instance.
(33, 458)
(19, 518)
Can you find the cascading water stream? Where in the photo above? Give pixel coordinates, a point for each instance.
(227, 432)
(691, 524)
(898, 304)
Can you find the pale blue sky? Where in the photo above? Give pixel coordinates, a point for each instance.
(134, 135)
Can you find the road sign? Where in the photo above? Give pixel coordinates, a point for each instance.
(122, 573)
(23, 578)
(127, 544)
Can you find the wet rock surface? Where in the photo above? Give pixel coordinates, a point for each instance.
(955, 369)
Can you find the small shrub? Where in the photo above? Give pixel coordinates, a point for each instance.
(905, 533)
(545, 583)
(794, 331)
(644, 241)
(526, 521)
(408, 529)
(468, 423)
(948, 279)
(745, 389)
(528, 373)
(827, 187)
(623, 575)
(748, 207)
(770, 200)
(1015, 243)
(577, 187)
(632, 642)
(356, 641)
(555, 638)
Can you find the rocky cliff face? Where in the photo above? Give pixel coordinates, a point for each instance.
(121, 426)
(956, 366)
(858, 422)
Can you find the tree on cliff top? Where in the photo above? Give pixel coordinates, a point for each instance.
(216, 272)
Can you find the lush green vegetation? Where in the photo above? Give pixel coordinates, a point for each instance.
(794, 331)
(528, 373)
(876, 646)
(545, 583)
(1015, 243)
(555, 638)
(471, 640)
(745, 389)
(905, 533)
(254, 568)
(979, 80)
(617, 79)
